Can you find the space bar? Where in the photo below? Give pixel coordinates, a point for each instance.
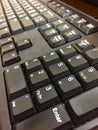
(50, 119)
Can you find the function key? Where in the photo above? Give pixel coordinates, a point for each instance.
(21, 108)
(10, 58)
(56, 41)
(32, 65)
(58, 71)
(89, 28)
(63, 28)
(67, 52)
(50, 16)
(84, 45)
(71, 35)
(88, 77)
(83, 107)
(92, 56)
(68, 87)
(15, 82)
(46, 97)
(50, 58)
(23, 44)
(77, 63)
(38, 79)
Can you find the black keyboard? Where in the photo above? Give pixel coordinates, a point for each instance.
(48, 66)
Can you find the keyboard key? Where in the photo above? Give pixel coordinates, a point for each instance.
(63, 12)
(89, 28)
(92, 56)
(15, 82)
(10, 58)
(15, 26)
(67, 52)
(88, 78)
(46, 97)
(23, 44)
(27, 23)
(7, 48)
(71, 35)
(21, 108)
(3, 25)
(72, 18)
(38, 79)
(50, 16)
(4, 33)
(45, 27)
(79, 22)
(39, 20)
(84, 45)
(53, 118)
(83, 107)
(32, 65)
(56, 41)
(57, 23)
(63, 28)
(6, 41)
(68, 87)
(58, 71)
(77, 63)
(50, 58)
(50, 33)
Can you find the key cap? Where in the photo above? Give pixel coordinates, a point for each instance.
(56, 41)
(79, 22)
(50, 33)
(27, 23)
(92, 56)
(77, 63)
(34, 15)
(4, 33)
(71, 35)
(57, 23)
(67, 52)
(15, 82)
(39, 20)
(10, 58)
(83, 107)
(32, 65)
(38, 79)
(3, 25)
(72, 18)
(45, 27)
(58, 70)
(23, 44)
(49, 58)
(7, 48)
(6, 41)
(68, 87)
(21, 108)
(15, 26)
(55, 118)
(50, 16)
(89, 28)
(46, 97)
(63, 28)
(84, 45)
(88, 77)
(64, 12)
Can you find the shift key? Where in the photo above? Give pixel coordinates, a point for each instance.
(55, 118)
(15, 82)
(15, 26)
